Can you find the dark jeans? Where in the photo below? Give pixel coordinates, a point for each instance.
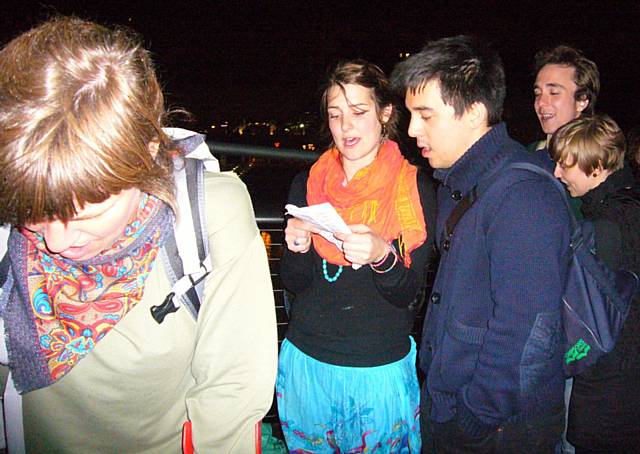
(538, 435)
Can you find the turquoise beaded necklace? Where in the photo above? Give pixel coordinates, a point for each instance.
(330, 279)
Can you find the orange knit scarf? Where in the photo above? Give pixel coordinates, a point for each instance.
(383, 195)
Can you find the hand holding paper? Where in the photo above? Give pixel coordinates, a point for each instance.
(325, 218)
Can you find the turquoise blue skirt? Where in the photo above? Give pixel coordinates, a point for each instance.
(325, 408)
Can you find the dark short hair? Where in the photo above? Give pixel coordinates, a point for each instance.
(586, 75)
(360, 72)
(467, 69)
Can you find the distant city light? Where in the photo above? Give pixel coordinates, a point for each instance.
(266, 238)
(295, 130)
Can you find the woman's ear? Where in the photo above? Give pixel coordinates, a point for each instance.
(597, 171)
(386, 113)
(154, 147)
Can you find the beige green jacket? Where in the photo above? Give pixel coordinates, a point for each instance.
(144, 380)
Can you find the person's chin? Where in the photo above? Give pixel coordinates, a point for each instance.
(84, 252)
(548, 126)
(435, 163)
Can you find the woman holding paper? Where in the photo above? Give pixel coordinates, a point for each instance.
(347, 377)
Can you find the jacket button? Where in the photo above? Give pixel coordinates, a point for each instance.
(446, 245)
(456, 195)
(435, 298)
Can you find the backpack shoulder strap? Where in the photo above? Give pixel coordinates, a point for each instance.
(4, 255)
(186, 250)
(469, 199)
(6, 281)
(556, 183)
(460, 209)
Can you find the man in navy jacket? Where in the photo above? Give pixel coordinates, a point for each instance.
(492, 340)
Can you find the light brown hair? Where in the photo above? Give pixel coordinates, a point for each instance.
(79, 106)
(589, 142)
(365, 74)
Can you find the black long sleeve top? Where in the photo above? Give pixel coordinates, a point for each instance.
(362, 319)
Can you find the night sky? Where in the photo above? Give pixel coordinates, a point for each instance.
(266, 59)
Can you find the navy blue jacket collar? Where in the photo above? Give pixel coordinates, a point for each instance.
(479, 160)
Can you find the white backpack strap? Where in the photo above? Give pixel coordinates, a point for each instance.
(4, 237)
(186, 252)
(184, 227)
(201, 152)
(4, 262)
(177, 296)
(190, 228)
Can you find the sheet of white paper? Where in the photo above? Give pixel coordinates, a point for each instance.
(325, 218)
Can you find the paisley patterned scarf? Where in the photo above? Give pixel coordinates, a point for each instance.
(383, 195)
(59, 309)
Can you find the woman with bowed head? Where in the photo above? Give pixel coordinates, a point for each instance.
(90, 191)
(347, 378)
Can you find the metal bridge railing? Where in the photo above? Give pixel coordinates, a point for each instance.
(261, 151)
